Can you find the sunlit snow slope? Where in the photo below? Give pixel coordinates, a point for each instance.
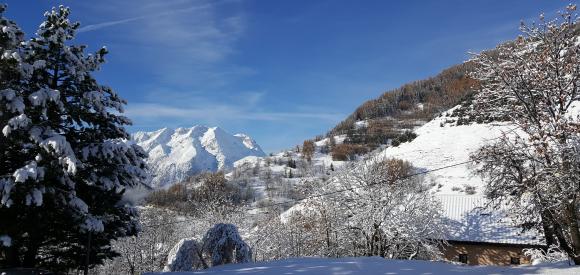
(177, 154)
(439, 145)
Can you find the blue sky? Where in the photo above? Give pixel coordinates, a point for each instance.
(280, 71)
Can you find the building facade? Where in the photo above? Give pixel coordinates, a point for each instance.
(479, 234)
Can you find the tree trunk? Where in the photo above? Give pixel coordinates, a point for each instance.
(574, 232)
(548, 229)
(555, 227)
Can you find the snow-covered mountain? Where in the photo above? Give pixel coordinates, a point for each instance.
(175, 154)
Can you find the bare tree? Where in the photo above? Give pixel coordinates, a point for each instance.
(371, 213)
(534, 83)
(387, 215)
(148, 250)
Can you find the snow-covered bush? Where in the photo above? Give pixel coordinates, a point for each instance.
(307, 230)
(161, 230)
(184, 256)
(552, 255)
(224, 245)
(147, 251)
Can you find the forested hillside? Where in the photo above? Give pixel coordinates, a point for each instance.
(389, 116)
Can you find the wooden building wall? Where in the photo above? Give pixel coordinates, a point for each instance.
(486, 253)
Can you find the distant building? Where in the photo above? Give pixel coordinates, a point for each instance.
(478, 235)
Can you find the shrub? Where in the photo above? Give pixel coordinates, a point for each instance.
(407, 136)
(469, 189)
(395, 142)
(346, 152)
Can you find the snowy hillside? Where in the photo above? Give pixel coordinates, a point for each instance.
(279, 177)
(176, 154)
(440, 144)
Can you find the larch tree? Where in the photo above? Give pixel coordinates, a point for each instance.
(535, 83)
(308, 149)
(65, 157)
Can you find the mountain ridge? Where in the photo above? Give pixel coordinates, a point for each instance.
(176, 154)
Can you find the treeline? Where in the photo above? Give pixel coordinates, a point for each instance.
(388, 117)
(437, 94)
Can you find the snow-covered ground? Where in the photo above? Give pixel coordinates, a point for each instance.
(438, 145)
(375, 266)
(441, 144)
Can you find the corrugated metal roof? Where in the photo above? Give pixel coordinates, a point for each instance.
(468, 218)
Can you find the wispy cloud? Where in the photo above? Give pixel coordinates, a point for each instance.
(183, 42)
(218, 112)
(156, 14)
(163, 108)
(183, 70)
(95, 27)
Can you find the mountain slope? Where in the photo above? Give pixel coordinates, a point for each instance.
(439, 144)
(446, 141)
(177, 154)
(378, 120)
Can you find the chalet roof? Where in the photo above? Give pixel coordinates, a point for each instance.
(470, 218)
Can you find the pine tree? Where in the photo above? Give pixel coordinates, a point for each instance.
(66, 162)
(11, 107)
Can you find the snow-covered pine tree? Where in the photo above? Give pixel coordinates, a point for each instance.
(65, 158)
(535, 82)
